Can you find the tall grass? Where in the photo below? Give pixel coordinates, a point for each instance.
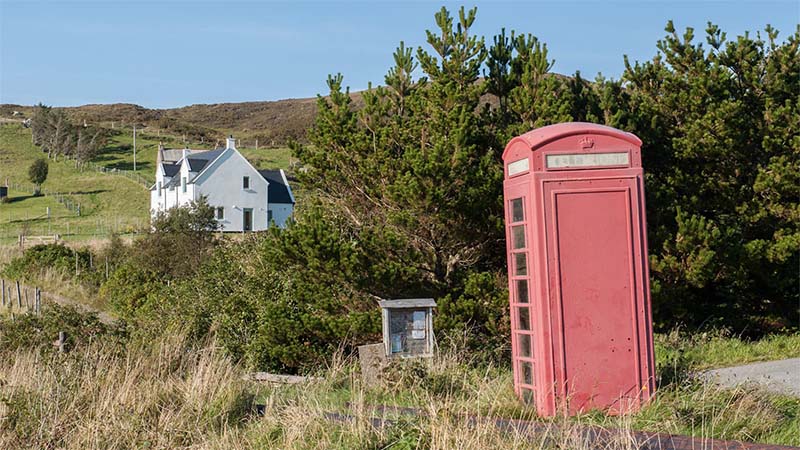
(165, 395)
(173, 393)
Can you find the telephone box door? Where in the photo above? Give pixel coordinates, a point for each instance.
(594, 247)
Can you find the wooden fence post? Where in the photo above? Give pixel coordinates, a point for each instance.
(4, 292)
(19, 296)
(62, 340)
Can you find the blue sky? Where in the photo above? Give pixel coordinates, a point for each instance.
(175, 53)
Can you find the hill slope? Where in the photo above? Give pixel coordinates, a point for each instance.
(273, 123)
(108, 202)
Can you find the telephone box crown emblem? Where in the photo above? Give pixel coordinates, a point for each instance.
(586, 142)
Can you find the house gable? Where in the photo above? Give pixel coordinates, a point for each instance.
(228, 154)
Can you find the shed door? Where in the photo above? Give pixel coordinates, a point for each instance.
(591, 253)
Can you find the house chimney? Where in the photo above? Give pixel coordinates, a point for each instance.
(160, 154)
(230, 142)
(183, 153)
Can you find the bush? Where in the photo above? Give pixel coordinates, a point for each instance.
(57, 257)
(39, 331)
(37, 173)
(130, 289)
(180, 240)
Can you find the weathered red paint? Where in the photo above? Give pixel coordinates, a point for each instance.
(579, 289)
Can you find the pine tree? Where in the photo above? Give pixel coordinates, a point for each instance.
(718, 147)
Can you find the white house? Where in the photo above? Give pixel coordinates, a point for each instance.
(245, 199)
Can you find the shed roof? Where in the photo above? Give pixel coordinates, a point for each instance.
(408, 303)
(540, 136)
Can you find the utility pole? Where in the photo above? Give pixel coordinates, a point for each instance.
(134, 147)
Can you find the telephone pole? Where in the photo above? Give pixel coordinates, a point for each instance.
(134, 147)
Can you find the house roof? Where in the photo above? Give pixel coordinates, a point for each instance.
(170, 169)
(278, 190)
(197, 161)
(173, 155)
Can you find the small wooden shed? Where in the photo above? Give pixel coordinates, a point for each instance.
(408, 327)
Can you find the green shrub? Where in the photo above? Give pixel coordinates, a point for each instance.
(130, 289)
(31, 330)
(42, 257)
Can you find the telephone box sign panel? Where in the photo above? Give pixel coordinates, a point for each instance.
(577, 268)
(572, 160)
(517, 167)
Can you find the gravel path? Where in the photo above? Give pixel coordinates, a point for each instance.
(777, 376)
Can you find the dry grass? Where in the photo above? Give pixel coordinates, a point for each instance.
(164, 396)
(174, 394)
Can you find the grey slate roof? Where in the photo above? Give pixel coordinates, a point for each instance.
(173, 155)
(277, 191)
(199, 160)
(170, 169)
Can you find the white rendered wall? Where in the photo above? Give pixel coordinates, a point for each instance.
(158, 202)
(222, 186)
(280, 213)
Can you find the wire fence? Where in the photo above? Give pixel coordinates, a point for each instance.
(61, 197)
(45, 222)
(131, 175)
(39, 227)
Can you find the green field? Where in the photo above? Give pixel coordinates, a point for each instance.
(108, 202)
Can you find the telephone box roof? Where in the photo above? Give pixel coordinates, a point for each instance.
(540, 136)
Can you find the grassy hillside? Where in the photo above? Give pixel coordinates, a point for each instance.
(108, 202)
(119, 153)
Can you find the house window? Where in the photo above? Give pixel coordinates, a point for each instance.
(245, 182)
(159, 189)
(220, 213)
(183, 184)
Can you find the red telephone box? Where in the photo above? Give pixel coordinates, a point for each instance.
(582, 334)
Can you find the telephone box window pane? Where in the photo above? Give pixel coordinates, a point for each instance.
(527, 396)
(520, 264)
(524, 345)
(518, 236)
(516, 210)
(522, 291)
(524, 316)
(526, 369)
